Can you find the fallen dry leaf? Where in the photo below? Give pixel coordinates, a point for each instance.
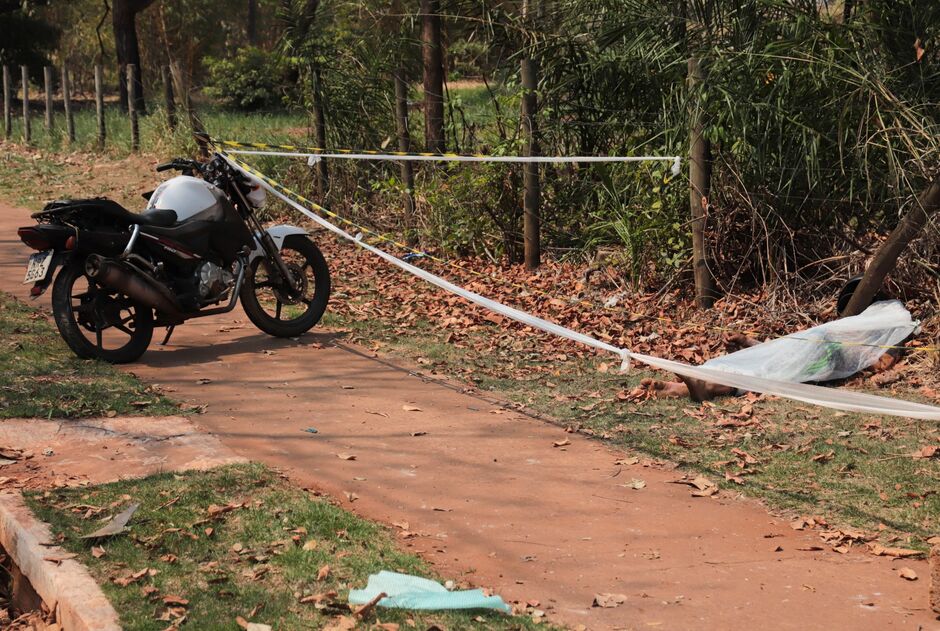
(174, 600)
(251, 626)
(907, 574)
(411, 408)
(323, 572)
(311, 544)
(317, 598)
(608, 600)
(116, 525)
(346, 456)
(58, 558)
(927, 452)
(98, 552)
(561, 443)
(627, 461)
(341, 623)
(899, 553)
(367, 608)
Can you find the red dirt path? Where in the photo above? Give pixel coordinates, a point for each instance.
(496, 505)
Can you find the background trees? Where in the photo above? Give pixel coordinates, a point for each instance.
(817, 121)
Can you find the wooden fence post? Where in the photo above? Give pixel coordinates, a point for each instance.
(699, 191)
(404, 145)
(99, 105)
(171, 119)
(7, 103)
(528, 68)
(27, 131)
(67, 103)
(132, 107)
(47, 72)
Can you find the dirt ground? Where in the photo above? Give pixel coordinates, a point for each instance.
(500, 500)
(61, 452)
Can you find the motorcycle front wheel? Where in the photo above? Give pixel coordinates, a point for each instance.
(97, 322)
(271, 306)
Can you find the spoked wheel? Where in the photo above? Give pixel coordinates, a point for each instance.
(276, 309)
(99, 323)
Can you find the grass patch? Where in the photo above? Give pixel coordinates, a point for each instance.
(253, 564)
(40, 377)
(155, 134)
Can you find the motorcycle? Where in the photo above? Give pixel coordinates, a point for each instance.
(194, 252)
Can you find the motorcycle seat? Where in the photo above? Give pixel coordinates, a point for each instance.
(158, 217)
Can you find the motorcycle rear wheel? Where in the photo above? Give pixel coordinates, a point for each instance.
(266, 302)
(120, 327)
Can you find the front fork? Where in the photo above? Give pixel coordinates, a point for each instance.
(267, 243)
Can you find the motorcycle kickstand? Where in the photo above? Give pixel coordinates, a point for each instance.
(169, 332)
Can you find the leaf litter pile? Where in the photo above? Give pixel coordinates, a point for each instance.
(880, 474)
(235, 547)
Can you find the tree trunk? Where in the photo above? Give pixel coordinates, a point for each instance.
(124, 19)
(319, 128)
(168, 97)
(433, 60)
(404, 145)
(181, 81)
(99, 104)
(909, 228)
(699, 191)
(251, 23)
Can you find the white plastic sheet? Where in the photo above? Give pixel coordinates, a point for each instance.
(834, 350)
(826, 397)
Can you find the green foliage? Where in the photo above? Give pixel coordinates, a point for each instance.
(28, 39)
(251, 79)
(822, 130)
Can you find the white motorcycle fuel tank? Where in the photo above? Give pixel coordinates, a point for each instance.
(191, 198)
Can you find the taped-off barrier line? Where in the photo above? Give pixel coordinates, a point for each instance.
(817, 395)
(289, 151)
(393, 241)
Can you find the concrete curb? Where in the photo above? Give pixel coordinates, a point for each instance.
(66, 587)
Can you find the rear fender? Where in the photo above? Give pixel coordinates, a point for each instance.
(278, 234)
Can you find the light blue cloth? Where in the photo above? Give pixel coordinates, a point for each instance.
(414, 592)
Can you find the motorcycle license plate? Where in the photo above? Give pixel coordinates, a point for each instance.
(37, 267)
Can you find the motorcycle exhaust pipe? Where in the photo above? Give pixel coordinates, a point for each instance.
(115, 276)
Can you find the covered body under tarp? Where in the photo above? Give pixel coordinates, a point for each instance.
(834, 350)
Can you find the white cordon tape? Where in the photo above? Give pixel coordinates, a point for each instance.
(816, 395)
(314, 157)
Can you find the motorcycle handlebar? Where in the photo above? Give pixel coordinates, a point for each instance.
(180, 164)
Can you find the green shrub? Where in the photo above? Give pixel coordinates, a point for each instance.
(253, 79)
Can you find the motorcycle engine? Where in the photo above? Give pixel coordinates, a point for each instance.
(212, 281)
